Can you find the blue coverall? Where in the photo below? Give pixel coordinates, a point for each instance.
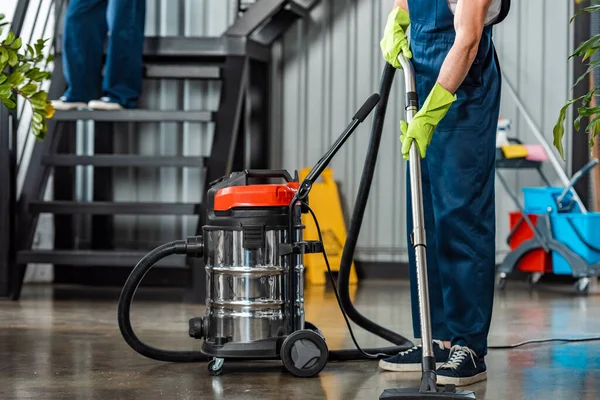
(458, 184)
(87, 23)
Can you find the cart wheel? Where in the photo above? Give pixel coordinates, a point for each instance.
(304, 353)
(534, 278)
(500, 280)
(582, 286)
(215, 366)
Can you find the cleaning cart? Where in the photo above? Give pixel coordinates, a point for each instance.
(552, 232)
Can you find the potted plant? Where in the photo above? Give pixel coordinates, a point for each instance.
(22, 72)
(585, 106)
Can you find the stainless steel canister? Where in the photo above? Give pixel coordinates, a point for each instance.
(247, 289)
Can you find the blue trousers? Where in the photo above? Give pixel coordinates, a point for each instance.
(87, 25)
(458, 186)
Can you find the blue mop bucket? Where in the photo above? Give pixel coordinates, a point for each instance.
(581, 234)
(542, 200)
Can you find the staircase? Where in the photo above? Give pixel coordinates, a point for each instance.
(239, 60)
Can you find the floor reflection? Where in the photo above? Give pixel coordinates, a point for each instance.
(59, 345)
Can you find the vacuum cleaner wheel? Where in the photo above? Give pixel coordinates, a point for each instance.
(304, 353)
(312, 327)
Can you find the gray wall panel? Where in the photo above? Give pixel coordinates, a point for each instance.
(331, 64)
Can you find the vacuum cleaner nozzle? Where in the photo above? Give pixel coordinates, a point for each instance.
(448, 393)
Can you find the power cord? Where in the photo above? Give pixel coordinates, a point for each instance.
(506, 347)
(337, 296)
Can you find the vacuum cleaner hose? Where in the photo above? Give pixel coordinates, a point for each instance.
(129, 289)
(357, 218)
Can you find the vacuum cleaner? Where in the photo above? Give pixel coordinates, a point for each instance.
(253, 249)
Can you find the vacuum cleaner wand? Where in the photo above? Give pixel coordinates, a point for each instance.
(318, 169)
(428, 389)
(306, 185)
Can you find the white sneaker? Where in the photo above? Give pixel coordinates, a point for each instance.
(63, 105)
(104, 104)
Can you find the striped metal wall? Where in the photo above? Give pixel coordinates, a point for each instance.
(332, 63)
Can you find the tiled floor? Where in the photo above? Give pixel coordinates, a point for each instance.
(54, 347)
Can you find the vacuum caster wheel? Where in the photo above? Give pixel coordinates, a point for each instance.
(582, 286)
(215, 366)
(310, 326)
(500, 281)
(304, 353)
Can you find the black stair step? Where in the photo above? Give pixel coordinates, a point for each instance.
(156, 70)
(200, 49)
(93, 258)
(69, 160)
(113, 208)
(136, 115)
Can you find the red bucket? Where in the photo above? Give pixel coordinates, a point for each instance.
(534, 261)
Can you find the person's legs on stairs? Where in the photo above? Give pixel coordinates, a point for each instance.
(83, 46)
(122, 82)
(411, 359)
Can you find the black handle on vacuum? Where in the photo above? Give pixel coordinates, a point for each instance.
(318, 169)
(269, 173)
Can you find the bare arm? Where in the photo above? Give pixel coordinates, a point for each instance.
(401, 3)
(469, 20)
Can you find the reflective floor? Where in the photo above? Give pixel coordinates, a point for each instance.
(55, 344)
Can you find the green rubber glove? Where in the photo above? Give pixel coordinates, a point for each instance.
(423, 125)
(394, 38)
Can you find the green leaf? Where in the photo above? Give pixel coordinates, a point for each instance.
(9, 39)
(37, 117)
(589, 9)
(587, 111)
(559, 128)
(29, 89)
(39, 99)
(17, 44)
(586, 73)
(589, 53)
(2, 78)
(2, 16)
(13, 59)
(5, 90)
(16, 78)
(9, 103)
(591, 43)
(39, 46)
(50, 58)
(3, 55)
(577, 122)
(30, 50)
(594, 126)
(24, 67)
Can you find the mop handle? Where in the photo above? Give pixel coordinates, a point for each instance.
(578, 175)
(418, 234)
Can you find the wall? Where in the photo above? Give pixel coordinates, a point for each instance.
(333, 63)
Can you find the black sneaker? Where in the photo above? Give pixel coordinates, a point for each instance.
(462, 368)
(410, 360)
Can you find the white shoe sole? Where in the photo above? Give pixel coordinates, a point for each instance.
(468, 380)
(60, 106)
(104, 106)
(393, 367)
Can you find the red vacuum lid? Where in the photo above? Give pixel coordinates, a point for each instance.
(267, 195)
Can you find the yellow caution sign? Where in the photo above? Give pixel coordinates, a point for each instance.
(324, 200)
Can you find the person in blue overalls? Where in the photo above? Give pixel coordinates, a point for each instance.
(458, 84)
(87, 24)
